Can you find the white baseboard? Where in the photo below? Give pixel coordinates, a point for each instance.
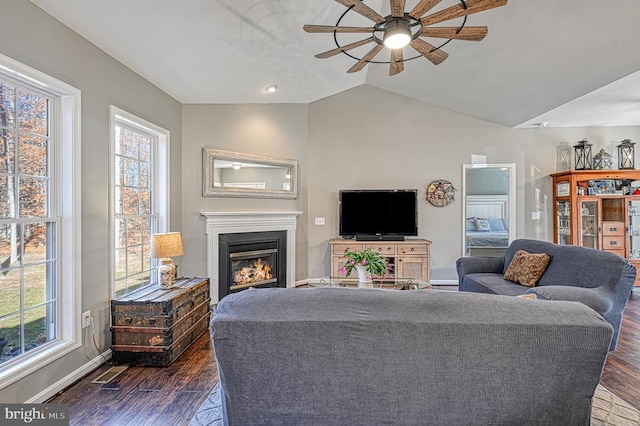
(69, 379)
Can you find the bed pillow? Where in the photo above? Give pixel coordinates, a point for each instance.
(505, 223)
(471, 224)
(527, 268)
(483, 225)
(497, 225)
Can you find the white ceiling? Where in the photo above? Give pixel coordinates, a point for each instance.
(566, 63)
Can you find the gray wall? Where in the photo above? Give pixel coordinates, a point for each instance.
(370, 138)
(278, 130)
(29, 35)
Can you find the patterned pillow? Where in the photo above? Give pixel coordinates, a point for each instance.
(471, 224)
(527, 268)
(483, 225)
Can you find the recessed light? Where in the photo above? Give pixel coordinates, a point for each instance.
(271, 89)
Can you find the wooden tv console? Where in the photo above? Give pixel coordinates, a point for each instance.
(410, 258)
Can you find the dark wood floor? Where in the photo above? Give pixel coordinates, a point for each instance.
(622, 371)
(145, 395)
(171, 395)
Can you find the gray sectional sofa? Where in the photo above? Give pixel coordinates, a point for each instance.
(599, 279)
(341, 356)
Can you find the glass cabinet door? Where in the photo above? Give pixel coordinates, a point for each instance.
(633, 209)
(563, 224)
(588, 229)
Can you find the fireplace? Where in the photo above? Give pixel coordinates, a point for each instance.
(251, 259)
(218, 224)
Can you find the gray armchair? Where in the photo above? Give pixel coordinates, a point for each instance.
(601, 280)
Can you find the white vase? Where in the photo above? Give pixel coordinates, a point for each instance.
(363, 276)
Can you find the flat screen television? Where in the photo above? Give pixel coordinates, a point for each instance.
(376, 214)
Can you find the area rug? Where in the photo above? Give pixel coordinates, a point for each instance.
(608, 410)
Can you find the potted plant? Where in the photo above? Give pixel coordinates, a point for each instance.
(367, 263)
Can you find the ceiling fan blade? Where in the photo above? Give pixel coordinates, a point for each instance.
(473, 6)
(466, 33)
(363, 10)
(428, 51)
(344, 48)
(397, 65)
(330, 29)
(366, 58)
(423, 7)
(397, 8)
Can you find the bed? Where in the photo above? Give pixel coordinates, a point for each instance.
(486, 225)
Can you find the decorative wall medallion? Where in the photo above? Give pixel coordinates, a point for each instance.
(440, 193)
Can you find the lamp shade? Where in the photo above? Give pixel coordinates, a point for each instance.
(166, 245)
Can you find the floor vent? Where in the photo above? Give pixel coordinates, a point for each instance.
(110, 374)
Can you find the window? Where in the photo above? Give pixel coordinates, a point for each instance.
(39, 219)
(140, 176)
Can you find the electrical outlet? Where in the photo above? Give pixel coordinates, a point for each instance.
(86, 319)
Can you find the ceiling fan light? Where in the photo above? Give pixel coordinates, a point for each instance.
(397, 34)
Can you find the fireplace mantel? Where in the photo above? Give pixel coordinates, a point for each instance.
(217, 223)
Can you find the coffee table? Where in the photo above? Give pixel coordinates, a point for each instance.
(388, 283)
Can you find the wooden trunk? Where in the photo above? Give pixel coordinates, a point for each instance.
(153, 326)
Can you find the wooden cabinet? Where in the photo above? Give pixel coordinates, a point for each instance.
(597, 209)
(409, 258)
(153, 325)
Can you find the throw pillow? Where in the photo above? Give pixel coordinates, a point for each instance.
(527, 268)
(483, 225)
(496, 225)
(471, 224)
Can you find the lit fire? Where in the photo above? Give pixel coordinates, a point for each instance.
(249, 274)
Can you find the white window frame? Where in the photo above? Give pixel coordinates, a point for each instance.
(65, 163)
(160, 176)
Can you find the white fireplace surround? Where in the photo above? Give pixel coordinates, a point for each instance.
(217, 223)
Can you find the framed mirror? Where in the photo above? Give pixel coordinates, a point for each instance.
(488, 209)
(235, 174)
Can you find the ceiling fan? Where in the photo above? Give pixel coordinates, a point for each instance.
(403, 28)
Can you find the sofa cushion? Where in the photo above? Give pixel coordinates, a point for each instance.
(490, 283)
(526, 268)
(596, 299)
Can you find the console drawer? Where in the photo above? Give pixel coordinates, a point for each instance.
(341, 248)
(613, 243)
(616, 251)
(409, 248)
(612, 228)
(382, 248)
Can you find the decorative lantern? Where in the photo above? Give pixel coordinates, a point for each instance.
(625, 154)
(602, 160)
(583, 155)
(563, 157)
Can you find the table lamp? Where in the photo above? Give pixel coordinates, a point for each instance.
(164, 247)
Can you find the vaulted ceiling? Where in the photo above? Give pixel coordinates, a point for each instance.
(566, 63)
